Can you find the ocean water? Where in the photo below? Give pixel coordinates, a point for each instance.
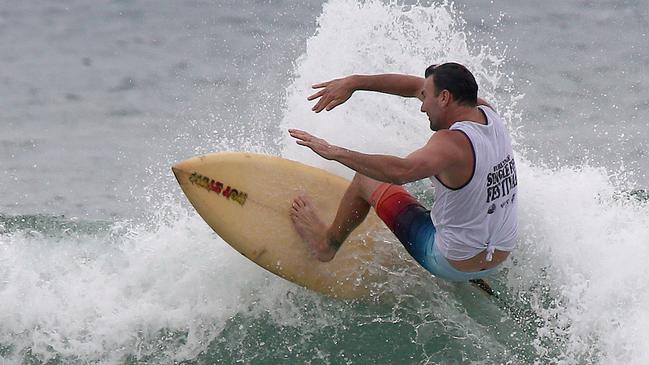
(102, 260)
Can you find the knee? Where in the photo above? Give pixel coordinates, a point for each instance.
(361, 181)
(364, 185)
(359, 178)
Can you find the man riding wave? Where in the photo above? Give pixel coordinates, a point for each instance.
(472, 226)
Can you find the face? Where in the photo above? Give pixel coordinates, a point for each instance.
(432, 105)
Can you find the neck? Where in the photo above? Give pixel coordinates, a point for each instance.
(470, 113)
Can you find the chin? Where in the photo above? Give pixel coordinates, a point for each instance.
(432, 125)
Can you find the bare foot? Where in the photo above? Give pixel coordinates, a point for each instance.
(312, 229)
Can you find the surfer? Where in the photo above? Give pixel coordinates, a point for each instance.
(471, 228)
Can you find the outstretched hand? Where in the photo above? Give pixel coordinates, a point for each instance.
(317, 145)
(333, 93)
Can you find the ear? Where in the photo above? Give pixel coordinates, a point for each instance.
(446, 97)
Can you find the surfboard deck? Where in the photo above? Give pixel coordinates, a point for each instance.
(245, 198)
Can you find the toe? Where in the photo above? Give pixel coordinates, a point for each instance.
(300, 201)
(306, 203)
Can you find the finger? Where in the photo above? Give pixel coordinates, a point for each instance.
(303, 135)
(298, 134)
(334, 104)
(309, 145)
(318, 106)
(320, 84)
(300, 140)
(295, 135)
(322, 104)
(316, 95)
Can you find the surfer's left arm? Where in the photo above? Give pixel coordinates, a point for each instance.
(427, 161)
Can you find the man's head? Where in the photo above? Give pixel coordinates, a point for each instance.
(449, 85)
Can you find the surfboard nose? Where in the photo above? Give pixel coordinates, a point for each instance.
(184, 165)
(181, 169)
(179, 166)
(177, 172)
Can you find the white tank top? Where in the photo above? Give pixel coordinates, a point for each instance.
(482, 214)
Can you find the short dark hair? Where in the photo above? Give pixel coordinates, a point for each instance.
(457, 79)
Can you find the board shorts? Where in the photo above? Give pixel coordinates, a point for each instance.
(414, 228)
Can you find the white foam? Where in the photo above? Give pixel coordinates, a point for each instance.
(102, 298)
(593, 244)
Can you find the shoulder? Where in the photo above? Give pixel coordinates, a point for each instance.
(450, 138)
(454, 144)
(486, 103)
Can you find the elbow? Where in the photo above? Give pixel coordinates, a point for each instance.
(401, 176)
(394, 176)
(398, 180)
(410, 172)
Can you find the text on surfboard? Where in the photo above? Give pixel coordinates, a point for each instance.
(218, 187)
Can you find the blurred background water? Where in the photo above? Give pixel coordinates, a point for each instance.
(103, 261)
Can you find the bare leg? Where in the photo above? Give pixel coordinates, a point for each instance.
(323, 240)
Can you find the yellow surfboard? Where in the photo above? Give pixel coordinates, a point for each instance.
(246, 199)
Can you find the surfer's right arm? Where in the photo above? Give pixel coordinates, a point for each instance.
(338, 91)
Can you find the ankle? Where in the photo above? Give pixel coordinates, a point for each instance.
(333, 242)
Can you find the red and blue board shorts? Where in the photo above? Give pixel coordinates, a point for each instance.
(413, 226)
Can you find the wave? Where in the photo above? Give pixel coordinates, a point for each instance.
(170, 290)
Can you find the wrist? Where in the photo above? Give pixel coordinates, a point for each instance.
(337, 153)
(355, 82)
